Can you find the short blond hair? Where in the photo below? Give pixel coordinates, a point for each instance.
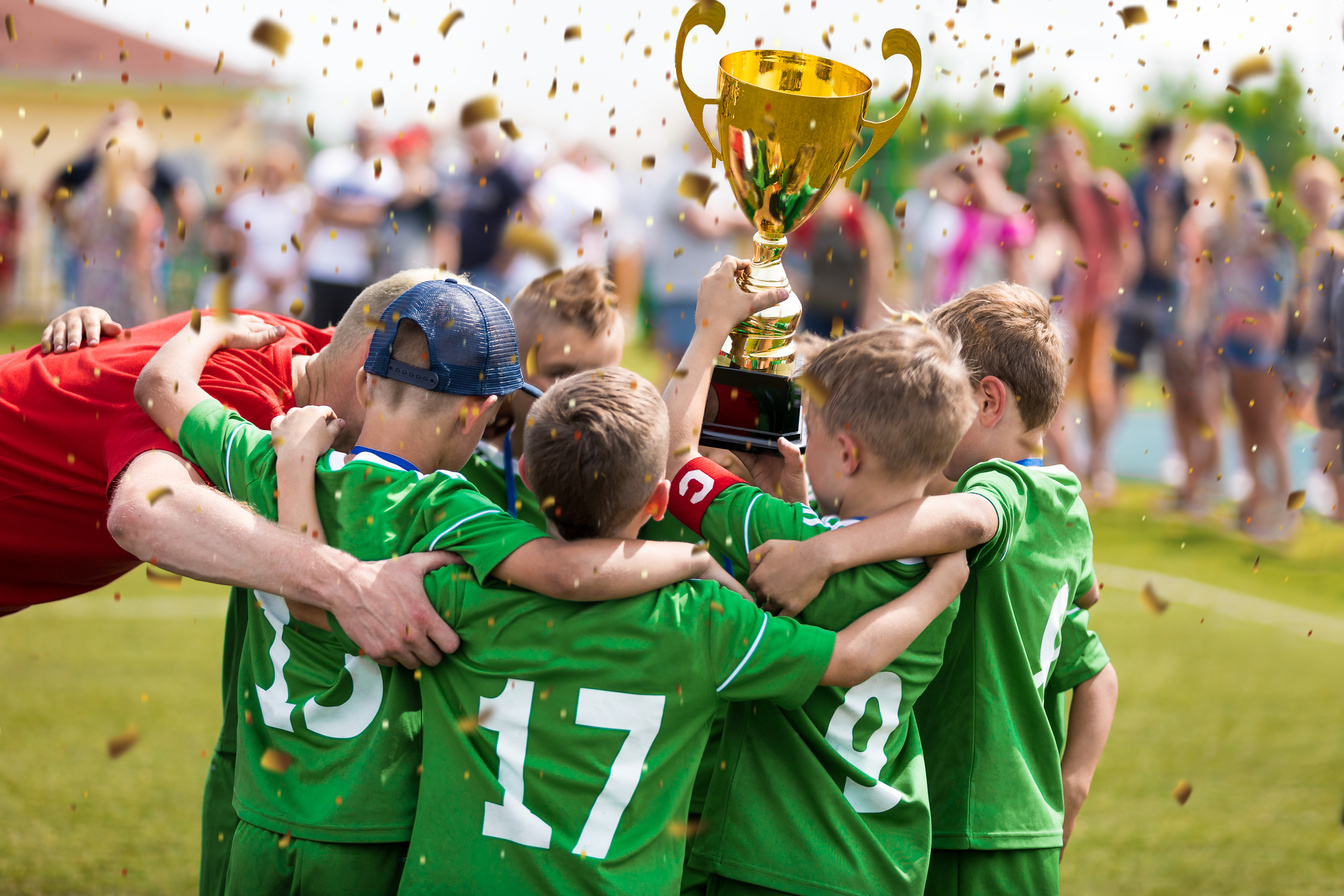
(367, 309)
(595, 448)
(901, 389)
(1007, 331)
(582, 296)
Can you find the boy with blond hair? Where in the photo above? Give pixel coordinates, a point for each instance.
(884, 411)
(328, 750)
(566, 324)
(1002, 796)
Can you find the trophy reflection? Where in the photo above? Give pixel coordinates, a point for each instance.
(787, 123)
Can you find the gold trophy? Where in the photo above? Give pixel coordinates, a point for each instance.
(787, 123)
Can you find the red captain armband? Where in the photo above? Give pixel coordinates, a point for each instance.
(695, 487)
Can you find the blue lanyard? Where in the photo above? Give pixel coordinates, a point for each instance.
(399, 462)
(1031, 462)
(510, 486)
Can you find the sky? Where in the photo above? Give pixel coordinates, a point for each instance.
(614, 82)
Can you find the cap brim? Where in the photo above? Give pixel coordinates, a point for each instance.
(530, 389)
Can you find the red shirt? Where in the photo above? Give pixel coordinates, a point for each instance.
(69, 425)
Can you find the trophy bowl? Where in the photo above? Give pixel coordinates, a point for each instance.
(787, 124)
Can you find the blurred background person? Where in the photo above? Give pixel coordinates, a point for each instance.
(265, 218)
(11, 229)
(1240, 292)
(1318, 189)
(1100, 210)
(352, 198)
(412, 236)
(840, 263)
(482, 199)
(115, 228)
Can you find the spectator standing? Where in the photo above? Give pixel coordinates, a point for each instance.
(11, 221)
(353, 189)
(412, 235)
(270, 223)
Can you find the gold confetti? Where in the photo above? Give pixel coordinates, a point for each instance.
(694, 185)
(162, 491)
(1151, 602)
(901, 92)
(1182, 792)
(1206, 49)
(826, 39)
(1234, 90)
(431, 106)
(376, 97)
(1296, 500)
(166, 112)
(283, 842)
(520, 237)
(484, 108)
(683, 829)
(550, 94)
(813, 388)
(531, 366)
(1124, 359)
(296, 242)
(296, 308)
(220, 63)
(837, 327)
(111, 142)
(684, 449)
(271, 35)
(597, 217)
(998, 90)
(899, 210)
(1022, 52)
(163, 579)
(1255, 567)
(449, 21)
(118, 745)
(573, 32)
(373, 323)
(377, 168)
(923, 124)
(41, 136)
(864, 189)
(646, 163)
(1010, 133)
(510, 129)
(1133, 15)
(9, 27)
(1078, 261)
(247, 172)
(1250, 67)
(311, 118)
(277, 761)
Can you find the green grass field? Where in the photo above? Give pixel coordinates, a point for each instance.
(1248, 711)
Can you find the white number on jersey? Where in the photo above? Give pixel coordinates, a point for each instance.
(342, 721)
(1051, 643)
(885, 688)
(508, 715)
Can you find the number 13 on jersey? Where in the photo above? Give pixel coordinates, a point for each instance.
(508, 715)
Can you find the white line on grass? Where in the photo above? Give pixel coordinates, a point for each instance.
(1233, 604)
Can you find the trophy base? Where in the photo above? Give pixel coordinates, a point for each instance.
(749, 411)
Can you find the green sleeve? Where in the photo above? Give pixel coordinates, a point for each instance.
(1081, 654)
(461, 519)
(755, 656)
(1009, 497)
(742, 518)
(233, 453)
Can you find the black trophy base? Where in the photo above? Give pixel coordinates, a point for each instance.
(749, 411)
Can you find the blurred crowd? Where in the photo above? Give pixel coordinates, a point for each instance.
(1178, 269)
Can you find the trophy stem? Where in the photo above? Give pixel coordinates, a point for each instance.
(764, 341)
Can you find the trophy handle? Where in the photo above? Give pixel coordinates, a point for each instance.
(711, 13)
(895, 42)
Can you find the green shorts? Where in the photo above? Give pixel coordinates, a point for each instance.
(260, 866)
(727, 886)
(993, 872)
(217, 823)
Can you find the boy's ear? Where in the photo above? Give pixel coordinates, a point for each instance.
(849, 453)
(992, 399)
(522, 471)
(656, 506)
(363, 386)
(475, 414)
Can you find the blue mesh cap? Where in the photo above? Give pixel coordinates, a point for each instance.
(473, 347)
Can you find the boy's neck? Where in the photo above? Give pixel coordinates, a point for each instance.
(402, 435)
(872, 494)
(1013, 444)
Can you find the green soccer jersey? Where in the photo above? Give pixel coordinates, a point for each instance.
(485, 470)
(993, 763)
(561, 740)
(327, 749)
(1081, 658)
(829, 798)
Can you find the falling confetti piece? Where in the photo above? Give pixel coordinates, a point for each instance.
(1151, 602)
(277, 761)
(923, 124)
(533, 241)
(283, 842)
(181, 229)
(531, 366)
(1022, 52)
(377, 168)
(296, 308)
(813, 388)
(162, 491)
(485, 108)
(1082, 264)
(550, 94)
(509, 128)
(311, 118)
(646, 163)
(163, 579)
(1255, 567)
(296, 242)
(695, 186)
(271, 35)
(1250, 67)
(449, 21)
(1206, 46)
(166, 112)
(9, 27)
(998, 90)
(196, 320)
(1010, 133)
(112, 141)
(826, 39)
(376, 97)
(1182, 792)
(432, 105)
(1234, 90)
(219, 64)
(864, 189)
(629, 34)
(1124, 359)
(1133, 15)
(573, 32)
(1296, 500)
(373, 323)
(247, 172)
(41, 136)
(118, 745)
